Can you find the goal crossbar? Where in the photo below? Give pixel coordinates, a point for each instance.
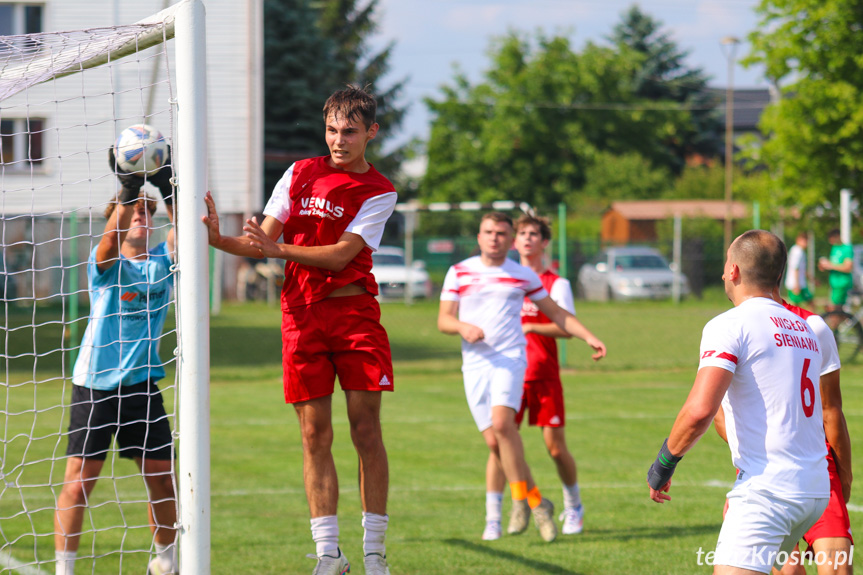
(25, 61)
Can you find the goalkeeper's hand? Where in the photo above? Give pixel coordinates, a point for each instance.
(130, 184)
(162, 179)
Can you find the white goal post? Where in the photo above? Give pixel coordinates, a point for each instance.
(64, 97)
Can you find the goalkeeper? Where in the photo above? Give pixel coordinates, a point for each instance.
(759, 361)
(114, 392)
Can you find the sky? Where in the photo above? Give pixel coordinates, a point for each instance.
(432, 36)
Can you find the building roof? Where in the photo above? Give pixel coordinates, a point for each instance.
(663, 209)
(749, 104)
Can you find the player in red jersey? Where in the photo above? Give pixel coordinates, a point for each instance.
(543, 391)
(329, 213)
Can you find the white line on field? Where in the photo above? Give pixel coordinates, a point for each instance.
(6, 560)
(452, 488)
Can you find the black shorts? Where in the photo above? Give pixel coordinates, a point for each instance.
(134, 414)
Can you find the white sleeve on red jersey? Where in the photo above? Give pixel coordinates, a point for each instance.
(561, 293)
(720, 345)
(534, 291)
(372, 217)
(279, 205)
(450, 292)
(827, 343)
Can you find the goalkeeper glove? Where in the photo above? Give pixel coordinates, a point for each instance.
(130, 184)
(162, 179)
(663, 468)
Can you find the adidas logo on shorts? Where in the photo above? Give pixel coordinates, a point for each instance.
(384, 381)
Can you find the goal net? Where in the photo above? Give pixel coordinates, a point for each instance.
(64, 99)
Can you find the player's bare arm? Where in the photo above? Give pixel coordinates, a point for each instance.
(108, 250)
(693, 420)
(333, 257)
(845, 267)
(568, 322)
(170, 240)
(836, 429)
(236, 245)
(697, 413)
(719, 424)
(546, 329)
(448, 323)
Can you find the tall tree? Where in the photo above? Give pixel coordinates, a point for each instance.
(295, 85)
(349, 24)
(814, 133)
(313, 48)
(664, 76)
(542, 117)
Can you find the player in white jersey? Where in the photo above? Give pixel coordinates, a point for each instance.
(759, 361)
(796, 275)
(830, 537)
(481, 301)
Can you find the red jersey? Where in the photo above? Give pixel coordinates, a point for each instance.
(321, 204)
(542, 362)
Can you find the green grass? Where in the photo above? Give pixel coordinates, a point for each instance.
(619, 410)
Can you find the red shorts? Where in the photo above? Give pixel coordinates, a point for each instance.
(544, 400)
(834, 521)
(340, 336)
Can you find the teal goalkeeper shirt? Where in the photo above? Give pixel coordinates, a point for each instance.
(128, 306)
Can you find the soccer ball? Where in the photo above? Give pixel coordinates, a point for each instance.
(140, 149)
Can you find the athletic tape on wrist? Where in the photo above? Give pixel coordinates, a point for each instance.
(663, 468)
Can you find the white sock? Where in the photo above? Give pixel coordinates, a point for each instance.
(571, 496)
(493, 506)
(325, 533)
(65, 562)
(375, 533)
(167, 555)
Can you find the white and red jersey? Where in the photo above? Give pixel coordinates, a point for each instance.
(317, 204)
(795, 271)
(490, 297)
(829, 352)
(542, 362)
(772, 407)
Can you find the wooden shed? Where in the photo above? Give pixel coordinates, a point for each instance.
(635, 221)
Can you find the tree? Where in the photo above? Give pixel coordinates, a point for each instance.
(663, 76)
(349, 25)
(294, 90)
(542, 117)
(312, 49)
(814, 133)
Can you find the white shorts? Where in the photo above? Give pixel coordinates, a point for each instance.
(502, 384)
(760, 529)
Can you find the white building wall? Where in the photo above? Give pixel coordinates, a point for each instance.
(76, 174)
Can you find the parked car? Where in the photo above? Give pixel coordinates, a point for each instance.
(392, 273)
(623, 273)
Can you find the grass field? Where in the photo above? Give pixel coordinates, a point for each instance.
(618, 411)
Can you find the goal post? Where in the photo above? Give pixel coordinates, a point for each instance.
(193, 302)
(64, 97)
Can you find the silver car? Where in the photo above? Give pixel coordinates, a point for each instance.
(628, 273)
(392, 274)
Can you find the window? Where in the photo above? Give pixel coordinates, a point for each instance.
(19, 18)
(21, 143)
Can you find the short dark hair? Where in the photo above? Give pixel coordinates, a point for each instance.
(835, 232)
(761, 257)
(541, 223)
(353, 103)
(498, 217)
(143, 200)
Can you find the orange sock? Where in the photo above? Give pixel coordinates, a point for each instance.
(534, 498)
(519, 490)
